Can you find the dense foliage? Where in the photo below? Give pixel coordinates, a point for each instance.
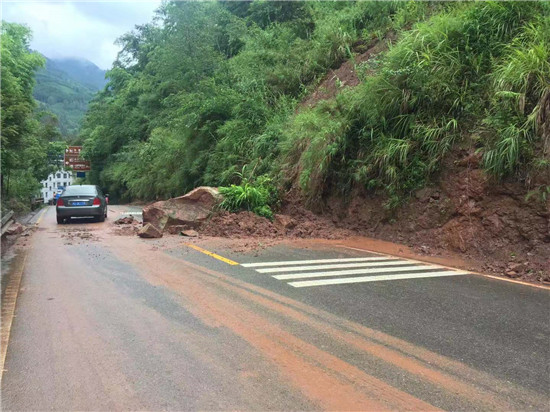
(29, 137)
(208, 88)
(473, 74)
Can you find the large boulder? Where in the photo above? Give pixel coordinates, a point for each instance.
(189, 210)
(149, 231)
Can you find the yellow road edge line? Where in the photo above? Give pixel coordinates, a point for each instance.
(520, 282)
(41, 216)
(9, 302)
(211, 254)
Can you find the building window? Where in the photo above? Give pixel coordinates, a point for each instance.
(64, 175)
(50, 178)
(58, 175)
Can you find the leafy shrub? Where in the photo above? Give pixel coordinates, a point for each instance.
(255, 195)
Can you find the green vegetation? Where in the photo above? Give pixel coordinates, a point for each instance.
(256, 195)
(475, 71)
(28, 136)
(63, 95)
(209, 89)
(212, 87)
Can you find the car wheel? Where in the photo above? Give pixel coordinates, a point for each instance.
(60, 220)
(101, 218)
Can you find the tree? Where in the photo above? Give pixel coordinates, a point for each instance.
(18, 67)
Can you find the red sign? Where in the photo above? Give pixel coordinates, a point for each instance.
(73, 160)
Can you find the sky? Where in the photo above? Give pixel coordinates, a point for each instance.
(83, 29)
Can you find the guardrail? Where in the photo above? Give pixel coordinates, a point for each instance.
(7, 221)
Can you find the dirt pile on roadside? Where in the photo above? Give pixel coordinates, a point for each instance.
(497, 226)
(303, 224)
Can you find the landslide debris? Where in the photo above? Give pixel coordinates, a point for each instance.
(149, 231)
(304, 224)
(188, 211)
(498, 227)
(126, 220)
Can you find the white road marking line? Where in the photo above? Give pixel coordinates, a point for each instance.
(362, 279)
(379, 263)
(306, 262)
(422, 268)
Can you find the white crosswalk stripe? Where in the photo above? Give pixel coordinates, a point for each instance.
(408, 268)
(375, 278)
(342, 266)
(324, 272)
(307, 262)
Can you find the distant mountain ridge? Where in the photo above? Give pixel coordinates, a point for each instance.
(65, 87)
(82, 71)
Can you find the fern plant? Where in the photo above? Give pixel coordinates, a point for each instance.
(254, 195)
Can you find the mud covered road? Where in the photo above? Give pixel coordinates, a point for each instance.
(108, 321)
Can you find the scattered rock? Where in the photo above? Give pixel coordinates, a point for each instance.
(515, 267)
(190, 210)
(176, 229)
(127, 220)
(190, 233)
(149, 231)
(15, 229)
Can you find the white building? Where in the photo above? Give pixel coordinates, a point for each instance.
(58, 180)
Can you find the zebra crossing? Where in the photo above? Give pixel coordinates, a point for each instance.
(319, 272)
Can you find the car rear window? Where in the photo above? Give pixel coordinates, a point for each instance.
(80, 190)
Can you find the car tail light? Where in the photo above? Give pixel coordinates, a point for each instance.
(97, 202)
(60, 202)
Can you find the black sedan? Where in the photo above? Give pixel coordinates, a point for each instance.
(81, 201)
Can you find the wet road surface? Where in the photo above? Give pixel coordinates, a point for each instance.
(111, 322)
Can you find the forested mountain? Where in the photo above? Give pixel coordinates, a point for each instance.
(208, 89)
(65, 87)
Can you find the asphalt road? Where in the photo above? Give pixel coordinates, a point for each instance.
(107, 321)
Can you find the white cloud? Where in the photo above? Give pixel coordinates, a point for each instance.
(79, 29)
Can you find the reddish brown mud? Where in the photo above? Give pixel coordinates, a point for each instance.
(222, 301)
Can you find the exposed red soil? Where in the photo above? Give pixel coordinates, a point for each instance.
(346, 74)
(491, 225)
(247, 224)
